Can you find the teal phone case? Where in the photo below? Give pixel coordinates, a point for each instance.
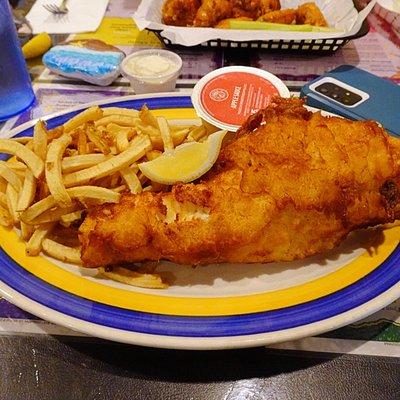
(380, 98)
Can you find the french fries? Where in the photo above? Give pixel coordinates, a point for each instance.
(22, 152)
(120, 111)
(12, 199)
(129, 277)
(5, 217)
(147, 117)
(28, 191)
(132, 181)
(101, 194)
(40, 140)
(165, 133)
(82, 145)
(136, 151)
(3, 199)
(22, 139)
(91, 114)
(61, 252)
(3, 185)
(122, 120)
(68, 219)
(26, 231)
(10, 176)
(53, 169)
(76, 163)
(53, 215)
(54, 177)
(122, 139)
(34, 245)
(99, 139)
(17, 166)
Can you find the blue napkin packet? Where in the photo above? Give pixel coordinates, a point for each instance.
(90, 60)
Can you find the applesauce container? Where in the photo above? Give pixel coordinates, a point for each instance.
(226, 97)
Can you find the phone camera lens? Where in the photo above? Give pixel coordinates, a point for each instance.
(338, 93)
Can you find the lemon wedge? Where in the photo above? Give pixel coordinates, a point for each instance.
(186, 162)
(37, 46)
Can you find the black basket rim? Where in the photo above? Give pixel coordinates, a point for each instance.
(364, 29)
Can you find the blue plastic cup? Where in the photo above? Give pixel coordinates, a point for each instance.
(16, 93)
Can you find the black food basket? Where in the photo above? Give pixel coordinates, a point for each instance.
(326, 46)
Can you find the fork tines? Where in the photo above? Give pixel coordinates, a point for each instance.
(52, 8)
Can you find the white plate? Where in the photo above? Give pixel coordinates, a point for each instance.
(212, 307)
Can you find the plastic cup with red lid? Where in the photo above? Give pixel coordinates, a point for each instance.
(226, 97)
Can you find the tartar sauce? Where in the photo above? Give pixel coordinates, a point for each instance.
(150, 65)
(152, 70)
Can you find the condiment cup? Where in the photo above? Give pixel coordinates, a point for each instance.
(161, 82)
(226, 97)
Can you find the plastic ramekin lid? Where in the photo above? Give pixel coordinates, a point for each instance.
(227, 96)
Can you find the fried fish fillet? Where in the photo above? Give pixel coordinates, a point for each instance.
(292, 184)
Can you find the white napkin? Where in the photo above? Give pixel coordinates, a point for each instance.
(82, 16)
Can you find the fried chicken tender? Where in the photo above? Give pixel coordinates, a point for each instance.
(214, 13)
(254, 8)
(309, 13)
(211, 12)
(180, 12)
(268, 5)
(292, 184)
(287, 16)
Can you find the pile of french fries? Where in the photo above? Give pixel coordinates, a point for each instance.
(54, 177)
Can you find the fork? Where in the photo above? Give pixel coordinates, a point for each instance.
(54, 9)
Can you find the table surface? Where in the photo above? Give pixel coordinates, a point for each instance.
(59, 368)
(39, 365)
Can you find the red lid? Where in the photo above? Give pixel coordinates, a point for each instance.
(228, 96)
(232, 97)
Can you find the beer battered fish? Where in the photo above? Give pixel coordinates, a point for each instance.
(292, 184)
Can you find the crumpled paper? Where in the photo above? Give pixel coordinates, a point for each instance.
(340, 14)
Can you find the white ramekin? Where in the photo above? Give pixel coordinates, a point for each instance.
(156, 83)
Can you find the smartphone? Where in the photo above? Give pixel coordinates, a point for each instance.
(356, 94)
